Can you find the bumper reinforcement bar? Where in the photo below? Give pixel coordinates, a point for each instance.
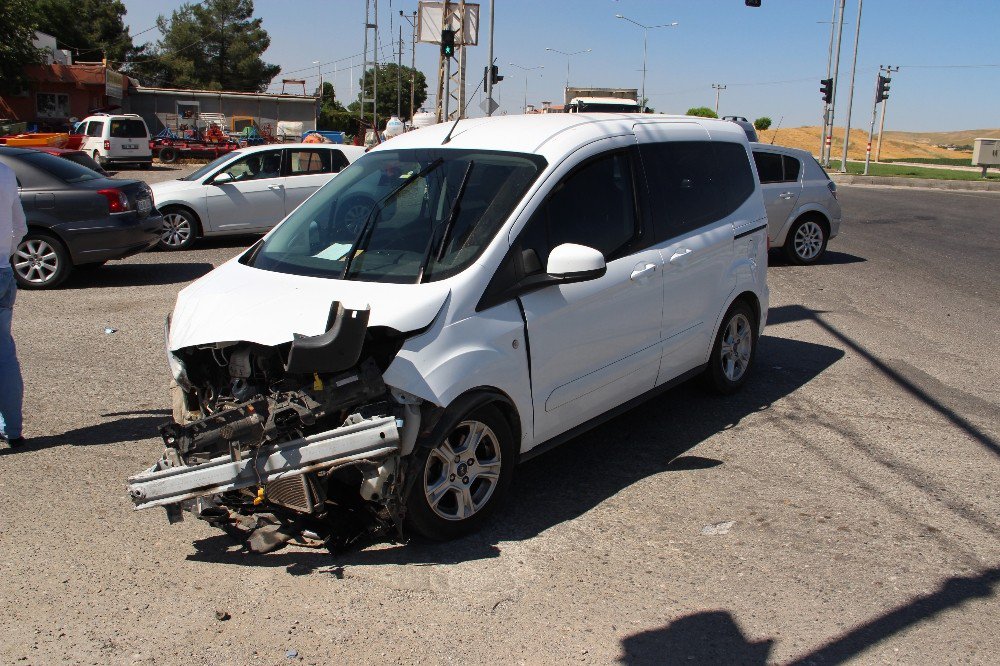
(161, 485)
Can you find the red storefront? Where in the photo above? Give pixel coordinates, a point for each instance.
(55, 93)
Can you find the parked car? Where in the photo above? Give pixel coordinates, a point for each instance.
(747, 126)
(246, 191)
(78, 156)
(116, 139)
(76, 217)
(518, 280)
(803, 213)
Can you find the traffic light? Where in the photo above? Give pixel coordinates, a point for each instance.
(753, 3)
(826, 87)
(495, 75)
(448, 43)
(882, 91)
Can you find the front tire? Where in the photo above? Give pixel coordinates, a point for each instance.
(179, 230)
(806, 242)
(463, 476)
(734, 350)
(41, 262)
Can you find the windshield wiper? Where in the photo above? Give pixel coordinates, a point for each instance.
(380, 205)
(456, 208)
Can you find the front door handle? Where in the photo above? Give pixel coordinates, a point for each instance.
(641, 272)
(786, 195)
(275, 187)
(680, 257)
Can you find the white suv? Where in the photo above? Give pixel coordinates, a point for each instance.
(116, 139)
(515, 281)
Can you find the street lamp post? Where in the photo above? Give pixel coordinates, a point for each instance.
(319, 106)
(645, 35)
(526, 70)
(568, 56)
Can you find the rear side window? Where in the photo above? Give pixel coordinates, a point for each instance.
(593, 206)
(95, 128)
(64, 170)
(128, 128)
(735, 173)
(792, 168)
(685, 191)
(304, 162)
(769, 167)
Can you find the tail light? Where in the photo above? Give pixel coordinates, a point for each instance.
(107, 145)
(833, 188)
(117, 200)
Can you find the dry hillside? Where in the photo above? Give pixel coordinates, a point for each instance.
(895, 145)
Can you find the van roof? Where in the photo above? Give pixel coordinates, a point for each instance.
(551, 135)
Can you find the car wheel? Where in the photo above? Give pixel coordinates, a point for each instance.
(179, 230)
(355, 211)
(463, 476)
(806, 241)
(168, 155)
(40, 262)
(734, 350)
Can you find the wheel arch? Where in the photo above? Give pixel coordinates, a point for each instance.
(173, 205)
(808, 212)
(444, 419)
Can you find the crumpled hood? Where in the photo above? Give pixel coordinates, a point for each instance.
(239, 303)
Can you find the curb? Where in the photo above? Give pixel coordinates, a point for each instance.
(932, 183)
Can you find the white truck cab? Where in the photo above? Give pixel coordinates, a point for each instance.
(116, 139)
(514, 281)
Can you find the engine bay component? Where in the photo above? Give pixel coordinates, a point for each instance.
(334, 351)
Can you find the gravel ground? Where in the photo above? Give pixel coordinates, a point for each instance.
(841, 508)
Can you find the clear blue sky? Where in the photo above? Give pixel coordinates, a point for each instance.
(770, 58)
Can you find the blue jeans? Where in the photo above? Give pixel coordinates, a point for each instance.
(11, 385)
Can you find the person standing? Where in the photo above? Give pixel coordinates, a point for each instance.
(12, 230)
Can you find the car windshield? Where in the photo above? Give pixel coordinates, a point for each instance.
(211, 166)
(64, 170)
(401, 216)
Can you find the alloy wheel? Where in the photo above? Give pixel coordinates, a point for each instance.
(176, 230)
(737, 345)
(462, 472)
(808, 241)
(36, 261)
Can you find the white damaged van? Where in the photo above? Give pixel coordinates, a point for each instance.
(512, 282)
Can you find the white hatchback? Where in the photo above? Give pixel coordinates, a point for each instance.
(515, 281)
(246, 191)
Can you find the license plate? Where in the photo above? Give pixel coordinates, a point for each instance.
(145, 205)
(130, 146)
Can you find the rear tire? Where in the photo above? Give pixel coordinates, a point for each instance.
(734, 350)
(179, 230)
(806, 241)
(168, 154)
(461, 482)
(41, 261)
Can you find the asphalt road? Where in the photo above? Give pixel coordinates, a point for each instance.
(843, 507)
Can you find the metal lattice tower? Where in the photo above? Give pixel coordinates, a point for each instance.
(451, 85)
(371, 34)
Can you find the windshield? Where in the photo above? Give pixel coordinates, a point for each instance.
(409, 216)
(602, 107)
(211, 166)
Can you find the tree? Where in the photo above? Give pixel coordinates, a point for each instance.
(702, 111)
(386, 102)
(91, 29)
(333, 115)
(762, 123)
(215, 45)
(17, 29)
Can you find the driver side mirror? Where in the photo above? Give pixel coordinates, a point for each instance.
(224, 177)
(570, 262)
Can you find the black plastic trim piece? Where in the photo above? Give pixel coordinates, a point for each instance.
(752, 231)
(610, 414)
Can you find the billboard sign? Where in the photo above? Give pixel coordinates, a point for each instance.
(431, 20)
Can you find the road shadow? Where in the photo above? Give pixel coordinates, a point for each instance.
(242, 241)
(714, 637)
(126, 427)
(136, 275)
(777, 259)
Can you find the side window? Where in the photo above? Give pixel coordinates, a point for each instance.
(685, 189)
(95, 128)
(792, 168)
(256, 166)
(768, 167)
(593, 206)
(735, 174)
(304, 162)
(338, 160)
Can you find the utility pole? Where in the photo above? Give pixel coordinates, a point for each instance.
(413, 59)
(399, 74)
(489, 64)
(836, 81)
(881, 127)
(850, 94)
(718, 87)
(829, 68)
(881, 95)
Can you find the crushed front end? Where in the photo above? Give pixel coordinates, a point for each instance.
(300, 441)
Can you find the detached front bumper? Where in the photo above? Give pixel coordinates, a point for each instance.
(168, 483)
